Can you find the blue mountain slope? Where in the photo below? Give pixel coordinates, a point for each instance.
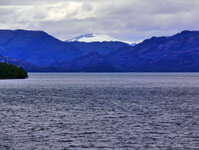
(91, 62)
(99, 47)
(178, 53)
(17, 62)
(37, 47)
(42, 49)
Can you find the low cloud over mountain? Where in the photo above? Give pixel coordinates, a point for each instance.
(130, 20)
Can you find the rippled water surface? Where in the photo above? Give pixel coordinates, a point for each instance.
(100, 111)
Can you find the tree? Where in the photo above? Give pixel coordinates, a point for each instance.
(10, 71)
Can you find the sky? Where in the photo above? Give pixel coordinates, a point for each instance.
(131, 20)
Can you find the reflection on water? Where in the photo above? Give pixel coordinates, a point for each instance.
(100, 111)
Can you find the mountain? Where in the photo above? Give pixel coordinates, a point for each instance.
(38, 51)
(17, 62)
(41, 49)
(102, 48)
(36, 47)
(100, 43)
(91, 62)
(96, 37)
(177, 53)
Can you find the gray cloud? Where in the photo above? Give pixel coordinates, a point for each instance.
(124, 19)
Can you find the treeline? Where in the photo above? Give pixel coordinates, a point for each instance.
(10, 71)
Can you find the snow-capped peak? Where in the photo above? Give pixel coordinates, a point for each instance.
(96, 37)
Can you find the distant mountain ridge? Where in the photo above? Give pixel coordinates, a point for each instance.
(42, 49)
(36, 47)
(102, 48)
(18, 62)
(39, 51)
(177, 53)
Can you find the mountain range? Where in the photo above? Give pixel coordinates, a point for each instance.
(42, 49)
(39, 51)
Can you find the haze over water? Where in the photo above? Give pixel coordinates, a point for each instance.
(100, 111)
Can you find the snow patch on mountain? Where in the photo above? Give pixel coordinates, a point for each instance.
(96, 37)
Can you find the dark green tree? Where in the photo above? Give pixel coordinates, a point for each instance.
(10, 71)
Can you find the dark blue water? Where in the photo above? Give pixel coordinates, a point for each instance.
(100, 111)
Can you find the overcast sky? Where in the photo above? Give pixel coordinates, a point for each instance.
(132, 20)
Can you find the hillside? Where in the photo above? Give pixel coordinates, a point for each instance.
(102, 48)
(38, 51)
(177, 53)
(36, 47)
(41, 49)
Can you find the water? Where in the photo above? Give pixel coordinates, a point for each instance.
(100, 111)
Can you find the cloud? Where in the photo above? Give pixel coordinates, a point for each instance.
(125, 19)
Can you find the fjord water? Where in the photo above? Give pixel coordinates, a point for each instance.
(100, 111)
